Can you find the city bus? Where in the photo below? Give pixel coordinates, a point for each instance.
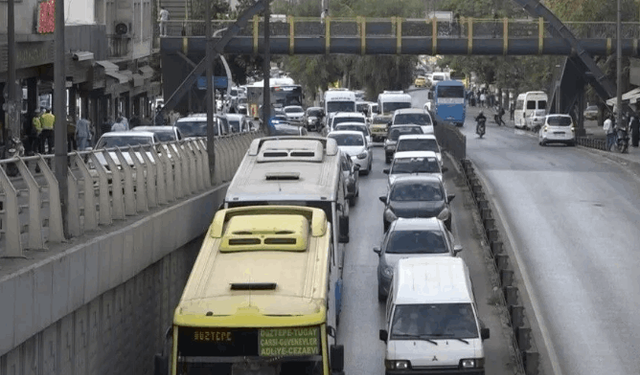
(260, 297)
(450, 102)
(284, 92)
(294, 170)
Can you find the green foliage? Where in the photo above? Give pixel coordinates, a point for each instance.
(219, 9)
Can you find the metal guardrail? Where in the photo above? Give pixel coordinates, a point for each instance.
(396, 26)
(599, 144)
(106, 185)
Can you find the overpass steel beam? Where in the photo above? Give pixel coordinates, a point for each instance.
(220, 43)
(603, 85)
(280, 45)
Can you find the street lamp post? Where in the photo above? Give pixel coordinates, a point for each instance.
(13, 123)
(619, 65)
(211, 95)
(60, 111)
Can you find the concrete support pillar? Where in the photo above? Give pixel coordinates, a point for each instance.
(72, 110)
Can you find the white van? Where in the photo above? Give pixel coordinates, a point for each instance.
(526, 104)
(389, 101)
(432, 320)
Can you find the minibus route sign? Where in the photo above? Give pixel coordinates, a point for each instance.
(263, 342)
(289, 342)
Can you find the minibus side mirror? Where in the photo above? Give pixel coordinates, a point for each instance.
(484, 333)
(383, 198)
(456, 250)
(384, 335)
(450, 197)
(445, 169)
(377, 250)
(386, 171)
(337, 358)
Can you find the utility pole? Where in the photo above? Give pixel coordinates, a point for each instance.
(60, 111)
(266, 69)
(211, 95)
(619, 66)
(13, 123)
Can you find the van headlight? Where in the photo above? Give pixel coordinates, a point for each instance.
(472, 363)
(362, 155)
(573, 129)
(444, 214)
(545, 128)
(397, 364)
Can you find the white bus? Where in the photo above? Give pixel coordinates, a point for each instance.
(526, 104)
(338, 100)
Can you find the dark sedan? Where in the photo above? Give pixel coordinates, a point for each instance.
(416, 196)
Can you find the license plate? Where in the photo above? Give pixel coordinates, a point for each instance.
(558, 133)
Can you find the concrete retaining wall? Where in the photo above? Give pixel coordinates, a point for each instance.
(95, 308)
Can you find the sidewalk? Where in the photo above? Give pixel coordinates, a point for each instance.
(631, 159)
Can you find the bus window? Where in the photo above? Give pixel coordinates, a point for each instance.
(542, 104)
(450, 92)
(531, 104)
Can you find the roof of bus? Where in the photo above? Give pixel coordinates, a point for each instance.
(229, 283)
(280, 169)
(394, 96)
(449, 83)
(432, 280)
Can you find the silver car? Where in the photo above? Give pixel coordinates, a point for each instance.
(354, 144)
(414, 163)
(406, 238)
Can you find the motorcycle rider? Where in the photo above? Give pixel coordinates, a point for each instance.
(479, 118)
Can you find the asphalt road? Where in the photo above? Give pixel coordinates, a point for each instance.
(362, 315)
(572, 220)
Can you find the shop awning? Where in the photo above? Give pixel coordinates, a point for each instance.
(120, 77)
(146, 71)
(108, 65)
(137, 80)
(631, 96)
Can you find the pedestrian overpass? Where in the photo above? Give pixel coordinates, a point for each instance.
(543, 34)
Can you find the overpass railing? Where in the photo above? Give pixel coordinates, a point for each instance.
(105, 186)
(395, 26)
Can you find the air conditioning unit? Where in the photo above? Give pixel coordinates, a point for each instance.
(122, 28)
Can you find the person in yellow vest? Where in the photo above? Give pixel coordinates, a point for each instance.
(37, 129)
(47, 120)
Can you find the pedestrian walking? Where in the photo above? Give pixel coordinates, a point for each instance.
(483, 99)
(118, 126)
(71, 135)
(609, 130)
(106, 126)
(635, 130)
(323, 15)
(159, 118)
(83, 134)
(512, 110)
(163, 18)
(124, 120)
(47, 120)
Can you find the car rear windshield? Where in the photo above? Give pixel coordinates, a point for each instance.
(313, 112)
(338, 120)
(395, 133)
(418, 191)
(347, 139)
(418, 145)
(356, 128)
(109, 142)
(415, 165)
(559, 121)
(194, 128)
(293, 109)
(416, 242)
(412, 118)
(165, 135)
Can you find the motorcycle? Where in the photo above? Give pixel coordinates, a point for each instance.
(16, 149)
(622, 140)
(480, 127)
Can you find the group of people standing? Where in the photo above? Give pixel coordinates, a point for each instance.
(611, 129)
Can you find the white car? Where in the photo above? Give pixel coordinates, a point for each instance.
(340, 117)
(414, 163)
(557, 129)
(123, 140)
(294, 112)
(420, 142)
(355, 126)
(414, 116)
(354, 144)
(535, 120)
